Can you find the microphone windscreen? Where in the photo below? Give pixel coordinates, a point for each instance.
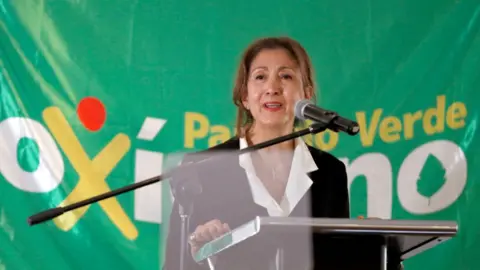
(299, 108)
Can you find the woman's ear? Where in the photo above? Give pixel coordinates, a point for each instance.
(245, 104)
(308, 92)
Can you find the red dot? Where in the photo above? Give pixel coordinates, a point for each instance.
(91, 113)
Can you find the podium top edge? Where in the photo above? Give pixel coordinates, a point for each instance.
(402, 228)
(446, 228)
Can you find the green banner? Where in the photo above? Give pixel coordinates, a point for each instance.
(96, 95)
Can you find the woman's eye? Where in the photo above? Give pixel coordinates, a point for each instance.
(259, 77)
(287, 76)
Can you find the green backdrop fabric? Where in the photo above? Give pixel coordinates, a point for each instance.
(95, 95)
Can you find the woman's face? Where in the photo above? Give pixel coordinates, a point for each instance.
(274, 86)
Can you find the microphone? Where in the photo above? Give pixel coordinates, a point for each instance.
(305, 109)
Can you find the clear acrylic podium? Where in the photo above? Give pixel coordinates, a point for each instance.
(341, 243)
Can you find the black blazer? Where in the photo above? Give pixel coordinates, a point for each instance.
(327, 197)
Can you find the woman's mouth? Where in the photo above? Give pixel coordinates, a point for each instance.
(272, 106)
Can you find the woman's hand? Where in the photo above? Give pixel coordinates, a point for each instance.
(206, 233)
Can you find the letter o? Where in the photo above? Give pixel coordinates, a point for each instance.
(49, 173)
(453, 160)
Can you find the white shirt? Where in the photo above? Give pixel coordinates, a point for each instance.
(298, 181)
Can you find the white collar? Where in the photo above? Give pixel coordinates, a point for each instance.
(298, 180)
(301, 156)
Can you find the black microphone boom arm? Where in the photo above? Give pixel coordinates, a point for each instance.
(55, 212)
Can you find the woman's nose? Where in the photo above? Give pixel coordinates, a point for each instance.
(274, 87)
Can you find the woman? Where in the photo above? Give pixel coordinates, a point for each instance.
(282, 180)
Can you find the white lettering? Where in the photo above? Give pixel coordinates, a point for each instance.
(153, 202)
(453, 161)
(49, 173)
(150, 128)
(378, 171)
(148, 199)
